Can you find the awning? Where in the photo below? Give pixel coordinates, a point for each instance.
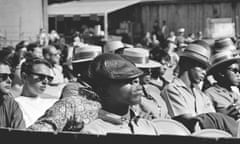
(86, 8)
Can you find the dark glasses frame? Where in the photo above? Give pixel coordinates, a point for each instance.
(5, 76)
(42, 77)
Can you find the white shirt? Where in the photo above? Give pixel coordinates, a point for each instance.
(33, 107)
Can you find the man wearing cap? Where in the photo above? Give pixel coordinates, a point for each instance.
(186, 102)
(78, 104)
(226, 71)
(116, 82)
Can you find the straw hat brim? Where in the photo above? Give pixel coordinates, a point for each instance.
(216, 65)
(82, 60)
(150, 64)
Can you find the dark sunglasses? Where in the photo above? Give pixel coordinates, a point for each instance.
(5, 76)
(42, 77)
(234, 70)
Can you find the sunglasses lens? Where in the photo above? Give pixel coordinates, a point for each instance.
(4, 77)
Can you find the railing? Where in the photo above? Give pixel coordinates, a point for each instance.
(10, 136)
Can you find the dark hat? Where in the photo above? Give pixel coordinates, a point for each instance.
(198, 53)
(112, 67)
(224, 52)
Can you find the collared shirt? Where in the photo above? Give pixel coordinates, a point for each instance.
(222, 97)
(155, 104)
(11, 114)
(127, 124)
(182, 100)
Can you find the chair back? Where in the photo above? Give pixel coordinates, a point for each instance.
(171, 127)
(215, 133)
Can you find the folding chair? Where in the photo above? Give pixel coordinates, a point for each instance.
(212, 133)
(171, 127)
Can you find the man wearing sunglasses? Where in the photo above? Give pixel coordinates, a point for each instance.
(36, 74)
(11, 114)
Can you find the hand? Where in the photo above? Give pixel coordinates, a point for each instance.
(233, 110)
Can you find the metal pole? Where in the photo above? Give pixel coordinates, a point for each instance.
(106, 26)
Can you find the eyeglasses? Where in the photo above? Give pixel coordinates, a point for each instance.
(5, 76)
(234, 70)
(42, 77)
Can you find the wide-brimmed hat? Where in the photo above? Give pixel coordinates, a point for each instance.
(112, 67)
(198, 53)
(112, 46)
(140, 57)
(86, 53)
(224, 52)
(223, 44)
(222, 58)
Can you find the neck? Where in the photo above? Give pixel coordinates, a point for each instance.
(116, 109)
(27, 93)
(185, 78)
(225, 85)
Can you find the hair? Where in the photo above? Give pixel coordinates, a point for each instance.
(20, 45)
(158, 55)
(32, 46)
(46, 50)
(27, 66)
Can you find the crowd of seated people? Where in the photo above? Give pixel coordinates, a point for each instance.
(120, 88)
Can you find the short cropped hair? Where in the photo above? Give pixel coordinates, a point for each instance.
(27, 66)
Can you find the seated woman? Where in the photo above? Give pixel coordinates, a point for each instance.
(116, 81)
(226, 71)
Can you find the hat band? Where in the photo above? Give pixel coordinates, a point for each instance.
(138, 60)
(86, 55)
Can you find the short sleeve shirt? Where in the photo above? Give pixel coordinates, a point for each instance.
(222, 97)
(182, 100)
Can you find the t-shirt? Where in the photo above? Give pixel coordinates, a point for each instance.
(33, 107)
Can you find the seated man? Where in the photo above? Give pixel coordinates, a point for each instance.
(186, 102)
(116, 82)
(36, 74)
(11, 114)
(78, 104)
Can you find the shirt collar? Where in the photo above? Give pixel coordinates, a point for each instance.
(117, 119)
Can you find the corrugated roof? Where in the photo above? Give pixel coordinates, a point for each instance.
(85, 8)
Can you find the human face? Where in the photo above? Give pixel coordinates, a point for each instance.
(232, 75)
(163, 68)
(38, 52)
(54, 55)
(36, 81)
(197, 73)
(5, 80)
(128, 92)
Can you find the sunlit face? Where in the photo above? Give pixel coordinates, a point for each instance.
(127, 92)
(54, 55)
(232, 75)
(36, 81)
(5, 80)
(37, 52)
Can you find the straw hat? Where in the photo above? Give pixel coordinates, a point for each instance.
(140, 57)
(112, 46)
(198, 53)
(223, 45)
(224, 52)
(181, 30)
(86, 53)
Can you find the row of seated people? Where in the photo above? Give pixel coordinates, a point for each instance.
(110, 96)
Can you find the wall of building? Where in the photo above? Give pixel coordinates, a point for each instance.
(20, 19)
(191, 16)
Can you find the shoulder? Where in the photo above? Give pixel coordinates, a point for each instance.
(98, 126)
